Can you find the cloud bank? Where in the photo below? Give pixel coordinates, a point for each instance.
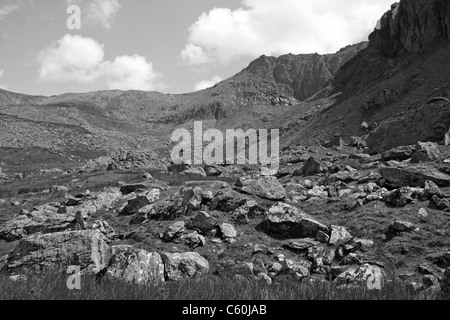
(280, 27)
(82, 60)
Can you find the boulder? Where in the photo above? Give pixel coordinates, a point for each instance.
(288, 222)
(174, 231)
(425, 152)
(43, 220)
(401, 153)
(227, 231)
(179, 266)
(202, 222)
(414, 175)
(399, 198)
(193, 240)
(135, 265)
(227, 200)
(402, 226)
(87, 249)
(199, 172)
(266, 187)
(370, 276)
(312, 167)
(103, 227)
(339, 235)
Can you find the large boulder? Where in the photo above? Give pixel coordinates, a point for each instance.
(414, 175)
(401, 153)
(288, 222)
(266, 187)
(370, 276)
(227, 200)
(86, 249)
(179, 266)
(141, 200)
(135, 265)
(45, 219)
(312, 167)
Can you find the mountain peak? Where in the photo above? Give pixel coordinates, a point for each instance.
(411, 25)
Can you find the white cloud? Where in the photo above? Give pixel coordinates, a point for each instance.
(102, 12)
(78, 59)
(194, 55)
(6, 9)
(207, 83)
(280, 27)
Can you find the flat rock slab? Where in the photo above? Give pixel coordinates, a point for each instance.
(415, 175)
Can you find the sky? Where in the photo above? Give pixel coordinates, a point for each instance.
(50, 47)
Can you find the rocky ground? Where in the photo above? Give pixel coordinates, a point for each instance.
(330, 214)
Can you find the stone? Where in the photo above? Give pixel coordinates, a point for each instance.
(140, 201)
(402, 226)
(339, 235)
(174, 231)
(415, 175)
(199, 172)
(44, 219)
(178, 168)
(425, 152)
(104, 228)
(227, 200)
(423, 214)
(87, 249)
(202, 222)
(312, 167)
(370, 276)
(288, 222)
(266, 187)
(440, 204)
(179, 266)
(265, 278)
(193, 240)
(399, 198)
(300, 268)
(136, 265)
(317, 192)
(398, 154)
(431, 189)
(56, 189)
(227, 231)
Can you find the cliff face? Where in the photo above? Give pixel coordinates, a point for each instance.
(301, 75)
(411, 25)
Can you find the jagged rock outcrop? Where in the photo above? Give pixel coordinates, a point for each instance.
(87, 249)
(301, 75)
(410, 25)
(135, 265)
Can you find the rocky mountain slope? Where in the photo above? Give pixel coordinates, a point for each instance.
(403, 71)
(144, 120)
